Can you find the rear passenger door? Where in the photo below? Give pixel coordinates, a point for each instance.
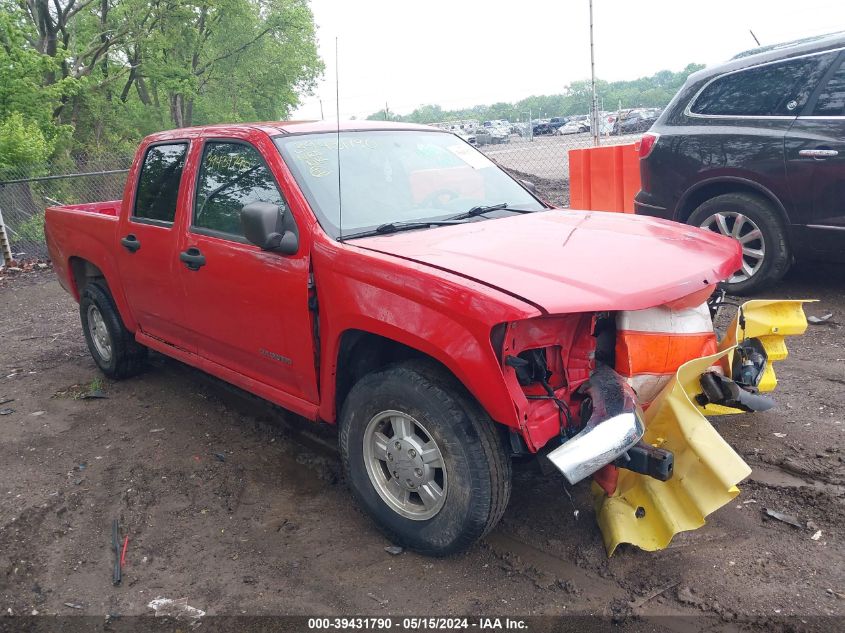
(815, 158)
(149, 237)
(247, 308)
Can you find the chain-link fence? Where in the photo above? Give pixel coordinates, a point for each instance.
(26, 192)
(540, 153)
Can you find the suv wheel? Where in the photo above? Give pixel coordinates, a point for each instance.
(752, 221)
(112, 346)
(423, 459)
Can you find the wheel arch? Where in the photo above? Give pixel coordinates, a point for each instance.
(360, 352)
(83, 271)
(708, 189)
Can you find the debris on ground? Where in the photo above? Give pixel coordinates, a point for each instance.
(383, 603)
(6, 411)
(393, 550)
(819, 320)
(636, 604)
(179, 608)
(96, 394)
(816, 536)
(785, 518)
(221, 457)
(123, 551)
(6, 400)
(73, 605)
(115, 541)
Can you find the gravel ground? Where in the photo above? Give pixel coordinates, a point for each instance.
(238, 507)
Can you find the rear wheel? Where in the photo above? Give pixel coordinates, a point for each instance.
(754, 223)
(112, 346)
(423, 459)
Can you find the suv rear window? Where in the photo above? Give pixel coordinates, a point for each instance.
(158, 185)
(831, 100)
(777, 89)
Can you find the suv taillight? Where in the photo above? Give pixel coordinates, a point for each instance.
(647, 144)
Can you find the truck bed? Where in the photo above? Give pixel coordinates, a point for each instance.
(110, 207)
(86, 230)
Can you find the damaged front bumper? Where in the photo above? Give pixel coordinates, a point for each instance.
(647, 512)
(615, 426)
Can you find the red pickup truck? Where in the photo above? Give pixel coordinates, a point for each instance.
(392, 279)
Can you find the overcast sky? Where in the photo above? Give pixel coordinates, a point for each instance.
(459, 53)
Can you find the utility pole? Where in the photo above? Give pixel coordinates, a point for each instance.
(322, 118)
(594, 126)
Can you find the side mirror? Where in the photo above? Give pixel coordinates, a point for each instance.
(264, 224)
(529, 185)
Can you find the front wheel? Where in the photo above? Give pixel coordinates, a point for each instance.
(423, 459)
(754, 223)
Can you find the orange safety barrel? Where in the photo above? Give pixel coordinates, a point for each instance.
(604, 178)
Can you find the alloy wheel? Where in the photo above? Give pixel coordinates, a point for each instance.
(100, 336)
(747, 233)
(405, 465)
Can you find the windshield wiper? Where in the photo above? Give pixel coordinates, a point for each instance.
(481, 210)
(395, 227)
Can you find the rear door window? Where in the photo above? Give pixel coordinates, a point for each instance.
(231, 176)
(158, 184)
(831, 99)
(777, 89)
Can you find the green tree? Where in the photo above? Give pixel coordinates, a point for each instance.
(103, 73)
(654, 91)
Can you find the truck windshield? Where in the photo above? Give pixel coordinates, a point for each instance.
(397, 176)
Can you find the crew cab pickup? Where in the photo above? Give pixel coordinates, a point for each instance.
(392, 279)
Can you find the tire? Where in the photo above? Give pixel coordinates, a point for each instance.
(112, 346)
(765, 258)
(475, 476)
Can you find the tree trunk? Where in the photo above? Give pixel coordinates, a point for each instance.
(189, 113)
(176, 111)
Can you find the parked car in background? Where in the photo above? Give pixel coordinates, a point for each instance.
(558, 121)
(492, 135)
(606, 122)
(634, 121)
(583, 119)
(468, 137)
(573, 127)
(542, 127)
(755, 149)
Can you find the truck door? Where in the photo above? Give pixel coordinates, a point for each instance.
(247, 308)
(815, 163)
(149, 237)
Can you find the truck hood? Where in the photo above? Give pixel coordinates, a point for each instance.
(573, 261)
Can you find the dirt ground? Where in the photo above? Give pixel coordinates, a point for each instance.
(238, 507)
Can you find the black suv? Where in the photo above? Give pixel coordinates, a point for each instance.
(755, 149)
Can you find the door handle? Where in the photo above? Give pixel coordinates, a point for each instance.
(819, 154)
(192, 257)
(130, 243)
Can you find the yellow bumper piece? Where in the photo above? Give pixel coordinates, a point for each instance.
(648, 513)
